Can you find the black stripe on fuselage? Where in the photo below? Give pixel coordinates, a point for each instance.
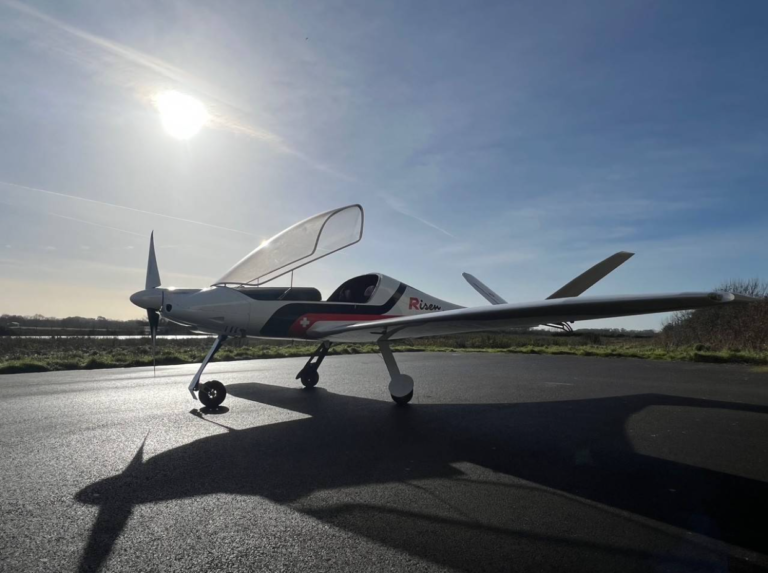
(280, 323)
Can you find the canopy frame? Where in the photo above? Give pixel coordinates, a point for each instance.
(291, 266)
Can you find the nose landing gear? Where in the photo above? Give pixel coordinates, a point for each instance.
(211, 393)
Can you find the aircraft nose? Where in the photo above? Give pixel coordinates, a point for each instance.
(151, 299)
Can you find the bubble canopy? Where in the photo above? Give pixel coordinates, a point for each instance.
(299, 245)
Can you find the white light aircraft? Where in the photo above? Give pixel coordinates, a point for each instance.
(368, 308)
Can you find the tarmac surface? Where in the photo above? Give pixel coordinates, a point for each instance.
(500, 463)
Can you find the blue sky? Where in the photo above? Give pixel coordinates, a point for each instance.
(518, 141)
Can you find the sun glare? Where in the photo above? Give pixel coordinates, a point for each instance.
(182, 116)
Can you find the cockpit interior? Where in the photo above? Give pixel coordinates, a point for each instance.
(357, 290)
(282, 293)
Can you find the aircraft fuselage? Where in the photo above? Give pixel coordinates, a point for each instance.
(242, 313)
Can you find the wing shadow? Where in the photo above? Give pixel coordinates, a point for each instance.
(578, 447)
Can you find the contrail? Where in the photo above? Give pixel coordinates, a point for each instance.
(115, 206)
(135, 57)
(77, 220)
(396, 205)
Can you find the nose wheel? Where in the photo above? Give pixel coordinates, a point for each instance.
(212, 393)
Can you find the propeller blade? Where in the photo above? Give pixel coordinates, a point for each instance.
(153, 274)
(154, 319)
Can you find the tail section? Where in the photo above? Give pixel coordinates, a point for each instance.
(574, 288)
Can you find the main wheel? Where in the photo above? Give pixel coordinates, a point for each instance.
(403, 400)
(310, 378)
(212, 394)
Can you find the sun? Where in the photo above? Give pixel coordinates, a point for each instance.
(182, 116)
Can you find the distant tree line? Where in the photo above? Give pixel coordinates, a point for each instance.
(17, 324)
(100, 323)
(726, 327)
(608, 332)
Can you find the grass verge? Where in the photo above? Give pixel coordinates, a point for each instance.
(117, 356)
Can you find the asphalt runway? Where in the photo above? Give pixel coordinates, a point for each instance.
(500, 463)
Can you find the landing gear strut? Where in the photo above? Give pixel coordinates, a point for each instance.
(308, 375)
(211, 393)
(400, 385)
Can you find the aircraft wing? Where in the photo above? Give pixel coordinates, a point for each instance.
(505, 316)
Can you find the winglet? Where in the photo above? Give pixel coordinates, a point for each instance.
(592, 275)
(484, 291)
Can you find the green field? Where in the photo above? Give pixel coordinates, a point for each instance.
(51, 354)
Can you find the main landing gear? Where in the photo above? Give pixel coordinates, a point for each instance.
(400, 385)
(211, 393)
(308, 375)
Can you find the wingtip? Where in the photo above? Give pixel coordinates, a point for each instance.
(744, 298)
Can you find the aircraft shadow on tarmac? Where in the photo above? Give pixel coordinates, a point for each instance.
(578, 447)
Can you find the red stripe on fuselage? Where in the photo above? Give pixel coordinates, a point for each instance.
(306, 321)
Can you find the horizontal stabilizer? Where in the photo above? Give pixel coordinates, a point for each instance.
(591, 276)
(484, 291)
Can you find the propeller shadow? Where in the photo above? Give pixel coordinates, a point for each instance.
(576, 447)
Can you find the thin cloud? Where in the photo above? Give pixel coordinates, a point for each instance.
(96, 52)
(145, 75)
(11, 263)
(397, 205)
(86, 267)
(503, 258)
(83, 221)
(116, 206)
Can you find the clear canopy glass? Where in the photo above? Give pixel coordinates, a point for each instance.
(298, 245)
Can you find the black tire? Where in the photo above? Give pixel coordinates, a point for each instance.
(403, 400)
(310, 378)
(212, 394)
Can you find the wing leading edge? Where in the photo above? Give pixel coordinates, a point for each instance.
(504, 316)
